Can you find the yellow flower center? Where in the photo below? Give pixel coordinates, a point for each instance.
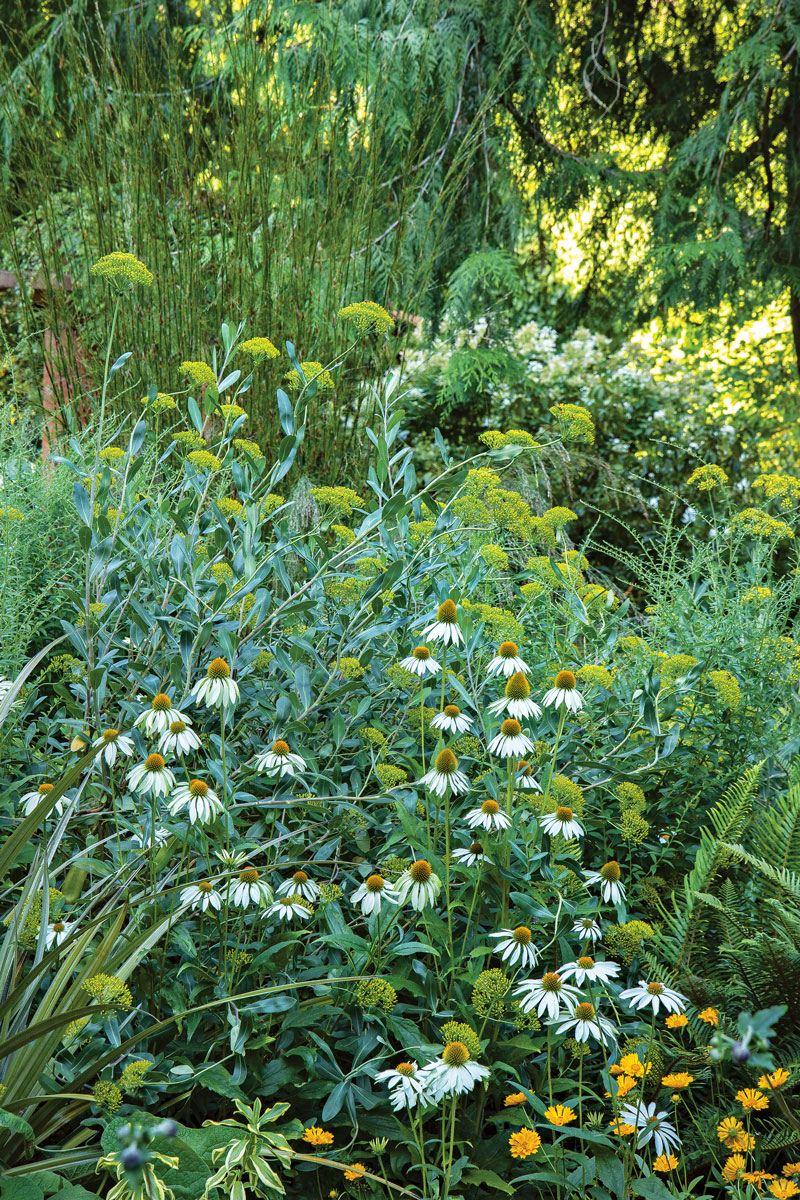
(475, 848)
(510, 728)
(565, 680)
(551, 982)
(447, 613)
(375, 883)
(490, 806)
(59, 927)
(205, 886)
(161, 703)
(522, 935)
(455, 1054)
(177, 727)
(586, 963)
(422, 653)
(446, 762)
(110, 735)
(407, 1069)
(524, 766)
(420, 871)
(451, 710)
(300, 877)
(518, 687)
(218, 669)
(280, 747)
(154, 762)
(44, 788)
(198, 788)
(249, 875)
(508, 650)
(563, 813)
(585, 1011)
(611, 872)
(655, 989)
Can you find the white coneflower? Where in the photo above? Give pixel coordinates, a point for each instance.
(547, 995)
(146, 840)
(203, 804)
(561, 821)
(404, 1084)
(372, 893)
(445, 628)
(471, 855)
(419, 884)
(489, 816)
(249, 889)
(58, 932)
(516, 946)
(608, 877)
(179, 738)
(586, 968)
(202, 895)
(156, 719)
(151, 776)
(113, 743)
(298, 884)
(451, 720)
(279, 760)
(524, 777)
(419, 662)
(650, 1125)
(588, 929)
(564, 693)
(216, 687)
(445, 774)
(655, 996)
(507, 661)
(287, 907)
(516, 699)
(231, 860)
(30, 800)
(585, 1022)
(453, 1073)
(510, 742)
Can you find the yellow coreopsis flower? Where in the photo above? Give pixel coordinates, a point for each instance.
(559, 1114)
(752, 1098)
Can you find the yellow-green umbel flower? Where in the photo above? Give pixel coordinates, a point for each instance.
(367, 316)
(119, 266)
(259, 348)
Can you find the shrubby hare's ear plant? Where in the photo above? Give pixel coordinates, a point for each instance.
(368, 841)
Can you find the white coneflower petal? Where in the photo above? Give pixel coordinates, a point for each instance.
(608, 877)
(650, 1125)
(406, 1087)
(547, 995)
(179, 738)
(113, 743)
(564, 693)
(445, 774)
(299, 884)
(451, 720)
(586, 968)
(201, 895)
(489, 816)
(445, 628)
(249, 889)
(653, 995)
(507, 661)
(584, 1022)
(372, 893)
(30, 800)
(286, 908)
(562, 821)
(510, 742)
(420, 662)
(588, 929)
(453, 1073)
(151, 776)
(472, 855)
(196, 796)
(524, 777)
(216, 688)
(516, 946)
(279, 760)
(58, 932)
(419, 884)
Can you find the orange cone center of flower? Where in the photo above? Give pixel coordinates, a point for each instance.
(198, 788)
(451, 710)
(510, 728)
(565, 680)
(58, 926)
(375, 883)
(407, 1069)
(475, 848)
(177, 727)
(44, 788)
(205, 886)
(508, 650)
(250, 875)
(446, 762)
(455, 1054)
(280, 747)
(420, 871)
(522, 935)
(585, 1011)
(161, 703)
(490, 806)
(611, 872)
(563, 813)
(422, 653)
(300, 877)
(154, 762)
(524, 766)
(586, 963)
(551, 982)
(518, 687)
(447, 612)
(655, 989)
(218, 669)
(110, 735)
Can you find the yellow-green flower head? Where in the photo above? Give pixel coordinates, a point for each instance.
(120, 265)
(367, 316)
(389, 775)
(377, 994)
(341, 499)
(350, 668)
(758, 524)
(109, 992)
(494, 556)
(575, 423)
(111, 454)
(590, 673)
(107, 1095)
(311, 370)
(160, 404)
(496, 440)
(232, 412)
(132, 1077)
(270, 503)
(222, 572)
(756, 594)
(785, 488)
(727, 689)
(204, 460)
(489, 993)
(343, 534)
(11, 514)
(706, 478)
(229, 507)
(200, 374)
(558, 517)
(259, 348)
(248, 447)
(189, 439)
